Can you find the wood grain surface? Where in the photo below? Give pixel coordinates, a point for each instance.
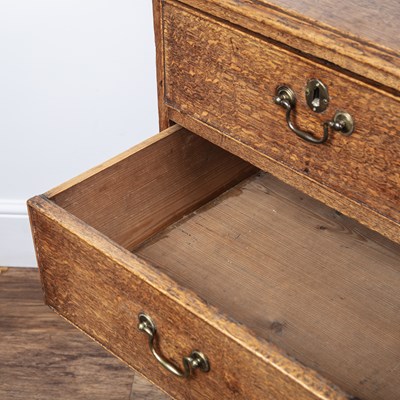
(359, 37)
(371, 21)
(101, 287)
(226, 79)
(159, 43)
(315, 283)
(42, 357)
(152, 185)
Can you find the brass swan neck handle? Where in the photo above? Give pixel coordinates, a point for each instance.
(342, 121)
(196, 359)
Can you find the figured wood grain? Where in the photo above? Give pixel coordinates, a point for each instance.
(101, 287)
(317, 284)
(43, 357)
(226, 79)
(134, 195)
(360, 36)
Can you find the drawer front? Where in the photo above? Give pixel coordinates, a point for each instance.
(101, 287)
(226, 79)
(101, 290)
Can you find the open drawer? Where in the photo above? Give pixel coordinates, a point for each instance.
(286, 298)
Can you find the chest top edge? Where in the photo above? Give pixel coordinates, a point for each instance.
(361, 36)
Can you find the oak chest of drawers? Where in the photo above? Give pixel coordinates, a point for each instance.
(251, 249)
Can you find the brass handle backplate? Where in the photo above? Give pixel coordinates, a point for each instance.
(342, 121)
(196, 359)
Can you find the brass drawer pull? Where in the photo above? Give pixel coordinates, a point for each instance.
(342, 121)
(196, 360)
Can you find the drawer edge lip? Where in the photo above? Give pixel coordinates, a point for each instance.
(364, 58)
(358, 211)
(269, 353)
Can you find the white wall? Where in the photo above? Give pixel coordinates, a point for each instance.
(77, 86)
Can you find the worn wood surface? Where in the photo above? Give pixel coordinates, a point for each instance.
(101, 287)
(226, 79)
(360, 37)
(351, 18)
(315, 283)
(159, 43)
(151, 186)
(42, 357)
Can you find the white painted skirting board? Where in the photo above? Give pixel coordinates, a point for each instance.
(16, 247)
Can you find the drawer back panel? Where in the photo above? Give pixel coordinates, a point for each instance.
(185, 170)
(225, 78)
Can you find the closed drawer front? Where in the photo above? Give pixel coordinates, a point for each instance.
(226, 78)
(231, 263)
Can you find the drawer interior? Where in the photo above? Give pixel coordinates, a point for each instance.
(299, 274)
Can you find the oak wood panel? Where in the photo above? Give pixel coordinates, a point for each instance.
(317, 284)
(360, 36)
(159, 43)
(101, 288)
(137, 193)
(226, 79)
(351, 18)
(43, 357)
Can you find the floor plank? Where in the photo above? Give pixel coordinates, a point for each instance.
(43, 357)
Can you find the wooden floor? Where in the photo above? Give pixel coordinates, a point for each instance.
(43, 357)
